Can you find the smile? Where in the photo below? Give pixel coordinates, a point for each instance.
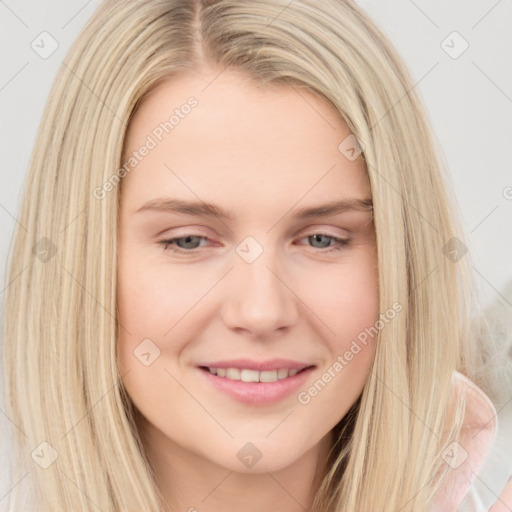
(247, 375)
(255, 387)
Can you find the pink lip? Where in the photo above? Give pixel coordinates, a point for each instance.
(257, 393)
(271, 364)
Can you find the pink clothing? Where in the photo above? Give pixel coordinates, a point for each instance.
(467, 456)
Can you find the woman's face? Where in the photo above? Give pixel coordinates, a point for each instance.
(267, 283)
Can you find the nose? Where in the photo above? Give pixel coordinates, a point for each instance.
(259, 297)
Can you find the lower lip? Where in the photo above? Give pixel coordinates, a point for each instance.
(258, 393)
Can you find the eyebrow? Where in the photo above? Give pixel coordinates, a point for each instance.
(204, 209)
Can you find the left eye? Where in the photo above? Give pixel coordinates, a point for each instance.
(188, 243)
(338, 242)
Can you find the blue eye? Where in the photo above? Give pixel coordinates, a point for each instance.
(338, 244)
(189, 243)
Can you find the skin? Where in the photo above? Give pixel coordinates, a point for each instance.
(262, 152)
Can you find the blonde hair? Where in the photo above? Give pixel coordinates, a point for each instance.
(62, 383)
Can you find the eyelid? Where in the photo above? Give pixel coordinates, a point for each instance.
(339, 242)
(310, 230)
(321, 231)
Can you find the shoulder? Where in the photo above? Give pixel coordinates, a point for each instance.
(467, 456)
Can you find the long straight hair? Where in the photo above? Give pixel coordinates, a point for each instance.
(63, 390)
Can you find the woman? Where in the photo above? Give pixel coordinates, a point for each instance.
(308, 351)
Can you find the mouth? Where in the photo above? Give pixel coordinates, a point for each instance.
(248, 375)
(253, 387)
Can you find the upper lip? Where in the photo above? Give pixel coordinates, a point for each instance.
(270, 364)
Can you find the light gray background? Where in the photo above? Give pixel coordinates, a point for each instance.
(469, 100)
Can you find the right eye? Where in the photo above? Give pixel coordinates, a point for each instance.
(182, 244)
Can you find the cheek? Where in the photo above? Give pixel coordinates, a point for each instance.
(152, 308)
(345, 298)
(347, 302)
(148, 307)
(161, 303)
(152, 296)
(349, 306)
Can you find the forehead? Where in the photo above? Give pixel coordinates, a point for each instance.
(240, 142)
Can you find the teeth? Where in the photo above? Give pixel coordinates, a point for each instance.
(282, 373)
(246, 375)
(233, 374)
(268, 376)
(249, 376)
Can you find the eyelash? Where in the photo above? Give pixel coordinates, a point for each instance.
(339, 244)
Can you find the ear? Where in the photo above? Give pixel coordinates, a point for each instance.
(467, 456)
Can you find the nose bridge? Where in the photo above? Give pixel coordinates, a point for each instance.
(258, 299)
